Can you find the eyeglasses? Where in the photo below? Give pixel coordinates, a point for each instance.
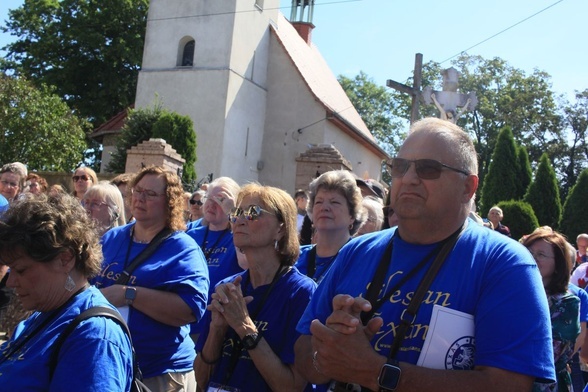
(199, 202)
(78, 178)
(251, 213)
(147, 193)
(93, 204)
(426, 169)
(541, 255)
(9, 184)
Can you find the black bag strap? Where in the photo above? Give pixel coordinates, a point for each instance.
(101, 311)
(311, 269)
(409, 314)
(164, 234)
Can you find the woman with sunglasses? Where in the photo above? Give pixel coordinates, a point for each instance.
(82, 179)
(196, 202)
(168, 290)
(549, 249)
(336, 213)
(213, 234)
(248, 340)
(105, 205)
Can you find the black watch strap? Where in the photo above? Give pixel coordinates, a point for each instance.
(251, 341)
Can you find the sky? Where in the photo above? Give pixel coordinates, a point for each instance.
(381, 37)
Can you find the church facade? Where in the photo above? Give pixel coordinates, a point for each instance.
(259, 92)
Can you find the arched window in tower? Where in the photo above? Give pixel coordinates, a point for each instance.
(188, 54)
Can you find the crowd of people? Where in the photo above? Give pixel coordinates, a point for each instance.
(342, 286)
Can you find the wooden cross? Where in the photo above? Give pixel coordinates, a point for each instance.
(415, 90)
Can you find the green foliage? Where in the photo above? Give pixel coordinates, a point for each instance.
(178, 131)
(519, 217)
(38, 128)
(137, 129)
(375, 104)
(89, 50)
(525, 174)
(543, 194)
(575, 210)
(502, 180)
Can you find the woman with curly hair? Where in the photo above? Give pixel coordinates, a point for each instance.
(166, 291)
(52, 251)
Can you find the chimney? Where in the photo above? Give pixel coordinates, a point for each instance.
(304, 30)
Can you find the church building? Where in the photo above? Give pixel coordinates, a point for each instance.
(265, 105)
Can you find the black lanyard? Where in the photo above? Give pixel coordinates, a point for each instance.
(238, 346)
(24, 339)
(209, 249)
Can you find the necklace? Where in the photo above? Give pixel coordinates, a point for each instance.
(135, 238)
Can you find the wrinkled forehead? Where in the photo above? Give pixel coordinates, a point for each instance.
(425, 144)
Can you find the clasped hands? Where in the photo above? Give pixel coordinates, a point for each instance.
(341, 347)
(228, 306)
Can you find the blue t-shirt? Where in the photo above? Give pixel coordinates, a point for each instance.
(193, 224)
(221, 257)
(487, 275)
(276, 321)
(177, 266)
(95, 357)
(322, 264)
(3, 205)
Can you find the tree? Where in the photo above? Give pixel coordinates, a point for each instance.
(543, 194)
(575, 210)
(525, 174)
(520, 217)
(137, 129)
(375, 105)
(501, 181)
(178, 131)
(89, 50)
(38, 128)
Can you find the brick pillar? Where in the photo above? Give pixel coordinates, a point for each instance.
(317, 160)
(153, 152)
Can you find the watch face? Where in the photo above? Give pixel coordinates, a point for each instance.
(130, 293)
(389, 377)
(250, 341)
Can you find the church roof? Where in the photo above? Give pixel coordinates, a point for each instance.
(320, 79)
(114, 125)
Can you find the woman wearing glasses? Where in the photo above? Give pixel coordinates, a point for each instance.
(213, 234)
(549, 249)
(336, 213)
(12, 180)
(82, 179)
(248, 340)
(196, 202)
(105, 205)
(168, 290)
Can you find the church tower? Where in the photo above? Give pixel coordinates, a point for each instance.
(208, 59)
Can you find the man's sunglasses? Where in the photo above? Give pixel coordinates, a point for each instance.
(78, 178)
(199, 202)
(250, 213)
(426, 169)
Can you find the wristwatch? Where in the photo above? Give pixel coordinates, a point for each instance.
(389, 376)
(130, 294)
(250, 341)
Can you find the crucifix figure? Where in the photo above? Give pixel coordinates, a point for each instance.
(449, 102)
(415, 90)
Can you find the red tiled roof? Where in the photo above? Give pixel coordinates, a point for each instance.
(114, 125)
(320, 79)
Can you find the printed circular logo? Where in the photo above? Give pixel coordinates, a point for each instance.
(460, 355)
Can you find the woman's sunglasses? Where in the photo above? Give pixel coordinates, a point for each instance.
(250, 213)
(78, 178)
(199, 202)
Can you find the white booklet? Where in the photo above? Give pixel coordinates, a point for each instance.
(450, 340)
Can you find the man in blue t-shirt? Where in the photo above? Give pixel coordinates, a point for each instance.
(487, 276)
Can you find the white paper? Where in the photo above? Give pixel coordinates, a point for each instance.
(124, 312)
(450, 340)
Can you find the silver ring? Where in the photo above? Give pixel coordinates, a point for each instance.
(315, 362)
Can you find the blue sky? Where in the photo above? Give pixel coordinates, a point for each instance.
(381, 37)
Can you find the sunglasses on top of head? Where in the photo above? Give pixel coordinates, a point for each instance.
(426, 169)
(250, 213)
